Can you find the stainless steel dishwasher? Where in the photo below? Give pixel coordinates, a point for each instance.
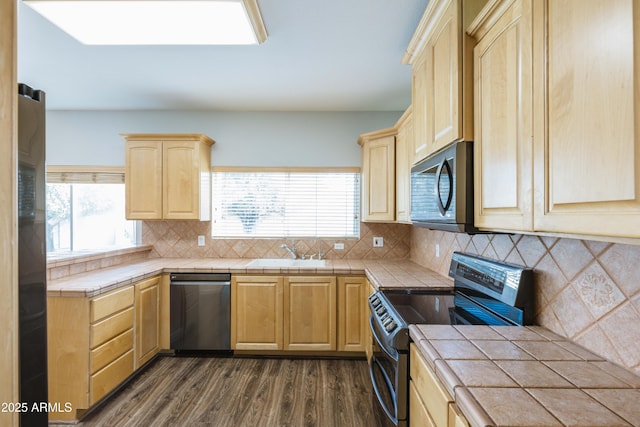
(200, 311)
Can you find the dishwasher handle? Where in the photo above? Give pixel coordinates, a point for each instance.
(198, 283)
(199, 277)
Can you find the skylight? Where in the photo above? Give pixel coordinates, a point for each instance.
(156, 22)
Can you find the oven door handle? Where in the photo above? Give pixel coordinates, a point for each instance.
(379, 342)
(457, 319)
(376, 388)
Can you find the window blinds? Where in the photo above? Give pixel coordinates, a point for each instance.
(85, 175)
(283, 204)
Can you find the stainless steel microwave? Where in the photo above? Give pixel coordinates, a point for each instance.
(442, 190)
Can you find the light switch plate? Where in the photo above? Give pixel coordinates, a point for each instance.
(338, 246)
(200, 240)
(378, 242)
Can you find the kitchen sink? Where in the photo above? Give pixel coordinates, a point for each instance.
(285, 263)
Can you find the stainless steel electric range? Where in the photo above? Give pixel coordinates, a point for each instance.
(485, 292)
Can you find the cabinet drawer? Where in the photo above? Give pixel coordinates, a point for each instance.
(110, 327)
(110, 377)
(428, 386)
(111, 350)
(113, 302)
(418, 415)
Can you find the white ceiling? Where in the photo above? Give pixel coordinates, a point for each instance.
(327, 55)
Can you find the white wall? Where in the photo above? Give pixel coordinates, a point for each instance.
(242, 138)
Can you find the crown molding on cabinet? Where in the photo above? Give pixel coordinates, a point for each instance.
(168, 136)
(404, 117)
(487, 17)
(377, 134)
(427, 23)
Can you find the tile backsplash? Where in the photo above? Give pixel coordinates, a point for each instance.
(179, 239)
(586, 291)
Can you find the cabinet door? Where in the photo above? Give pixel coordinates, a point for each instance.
(181, 180)
(69, 370)
(503, 142)
(418, 414)
(310, 313)
(352, 313)
(378, 179)
(420, 146)
(430, 389)
(444, 80)
(456, 419)
(404, 140)
(256, 312)
(587, 139)
(147, 320)
(143, 180)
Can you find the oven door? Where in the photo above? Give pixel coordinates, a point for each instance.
(388, 371)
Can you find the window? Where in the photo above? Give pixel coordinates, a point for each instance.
(290, 203)
(85, 211)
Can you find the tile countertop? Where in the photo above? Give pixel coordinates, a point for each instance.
(527, 376)
(383, 274)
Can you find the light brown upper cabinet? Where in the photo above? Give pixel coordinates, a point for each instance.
(586, 133)
(503, 132)
(565, 157)
(420, 148)
(378, 175)
(440, 53)
(168, 176)
(404, 144)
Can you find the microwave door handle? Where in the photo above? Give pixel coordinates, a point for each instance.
(444, 207)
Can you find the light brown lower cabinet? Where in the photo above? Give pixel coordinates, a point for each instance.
(429, 402)
(298, 313)
(352, 313)
(147, 296)
(256, 312)
(418, 414)
(456, 419)
(107, 379)
(94, 344)
(310, 313)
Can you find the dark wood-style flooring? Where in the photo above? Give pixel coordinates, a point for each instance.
(212, 391)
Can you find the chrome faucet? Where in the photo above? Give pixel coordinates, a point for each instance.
(292, 250)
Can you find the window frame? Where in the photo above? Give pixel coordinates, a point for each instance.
(72, 174)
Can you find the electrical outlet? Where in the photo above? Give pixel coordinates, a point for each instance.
(378, 242)
(200, 240)
(338, 246)
(437, 250)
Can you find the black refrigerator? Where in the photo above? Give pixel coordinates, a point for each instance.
(32, 257)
